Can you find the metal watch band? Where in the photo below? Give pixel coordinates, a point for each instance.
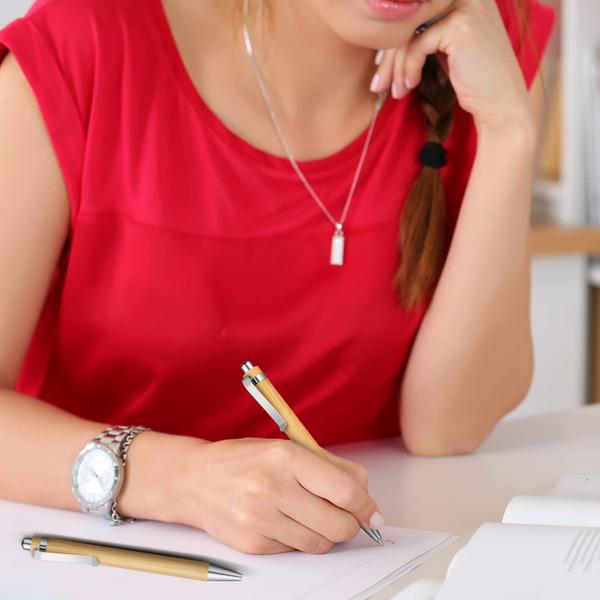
(113, 437)
(119, 438)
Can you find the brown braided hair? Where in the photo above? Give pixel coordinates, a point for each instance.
(423, 235)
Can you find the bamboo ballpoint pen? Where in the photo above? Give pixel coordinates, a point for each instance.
(263, 391)
(76, 552)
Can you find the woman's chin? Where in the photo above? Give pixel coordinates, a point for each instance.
(377, 39)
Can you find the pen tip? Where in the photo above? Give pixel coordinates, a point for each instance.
(374, 535)
(216, 573)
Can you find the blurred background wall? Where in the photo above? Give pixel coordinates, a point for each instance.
(9, 9)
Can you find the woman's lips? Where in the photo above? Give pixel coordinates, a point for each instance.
(395, 9)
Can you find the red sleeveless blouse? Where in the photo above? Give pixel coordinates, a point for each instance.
(191, 251)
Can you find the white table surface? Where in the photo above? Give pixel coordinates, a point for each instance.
(457, 494)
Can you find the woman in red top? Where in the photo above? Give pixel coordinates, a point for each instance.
(155, 234)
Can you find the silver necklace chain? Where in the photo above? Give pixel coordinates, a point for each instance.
(338, 241)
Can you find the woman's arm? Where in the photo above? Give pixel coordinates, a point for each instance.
(38, 442)
(38, 446)
(259, 496)
(472, 360)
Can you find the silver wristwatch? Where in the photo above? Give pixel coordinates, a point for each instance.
(99, 471)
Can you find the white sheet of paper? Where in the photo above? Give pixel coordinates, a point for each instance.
(522, 562)
(423, 589)
(353, 570)
(574, 501)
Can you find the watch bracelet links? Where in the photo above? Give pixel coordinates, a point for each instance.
(119, 438)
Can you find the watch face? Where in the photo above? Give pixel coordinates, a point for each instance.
(96, 476)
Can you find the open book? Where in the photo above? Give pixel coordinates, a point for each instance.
(547, 548)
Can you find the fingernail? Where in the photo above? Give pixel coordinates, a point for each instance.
(407, 83)
(375, 82)
(395, 91)
(376, 521)
(379, 57)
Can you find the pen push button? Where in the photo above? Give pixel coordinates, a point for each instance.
(38, 546)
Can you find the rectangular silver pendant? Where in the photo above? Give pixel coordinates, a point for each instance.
(337, 249)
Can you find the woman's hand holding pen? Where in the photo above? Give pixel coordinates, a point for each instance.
(265, 496)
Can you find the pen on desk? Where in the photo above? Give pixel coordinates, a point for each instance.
(263, 391)
(76, 552)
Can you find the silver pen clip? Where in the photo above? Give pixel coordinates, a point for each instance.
(81, 559)
(43, 554)
(250, 384)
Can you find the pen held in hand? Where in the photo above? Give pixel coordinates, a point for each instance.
(263, 391)
(76, 552)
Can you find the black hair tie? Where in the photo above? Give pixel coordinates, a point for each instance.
(433, 154)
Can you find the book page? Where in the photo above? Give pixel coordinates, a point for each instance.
(523, 562)
(574, 501)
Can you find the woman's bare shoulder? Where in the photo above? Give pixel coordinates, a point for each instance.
(35, 213)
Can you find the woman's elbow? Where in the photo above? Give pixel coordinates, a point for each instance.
(440, 443)
(459, 427)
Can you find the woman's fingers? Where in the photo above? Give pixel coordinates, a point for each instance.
(329, 481)
(257, 544)
(294, 534)
(356, 469)
(391, 63)
(399, 89)
(429, 42)
(390, 72)
(383, 76)
(320, 515)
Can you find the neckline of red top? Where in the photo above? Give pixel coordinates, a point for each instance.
(351, 151)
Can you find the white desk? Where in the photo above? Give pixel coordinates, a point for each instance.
(523, 456)
(457, 494)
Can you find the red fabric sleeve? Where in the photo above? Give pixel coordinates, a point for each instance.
(540, 23)
(36, 40)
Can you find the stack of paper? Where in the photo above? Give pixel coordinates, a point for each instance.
(353, 570)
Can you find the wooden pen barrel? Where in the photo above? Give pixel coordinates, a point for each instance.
(136, 560)
(295, 429)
